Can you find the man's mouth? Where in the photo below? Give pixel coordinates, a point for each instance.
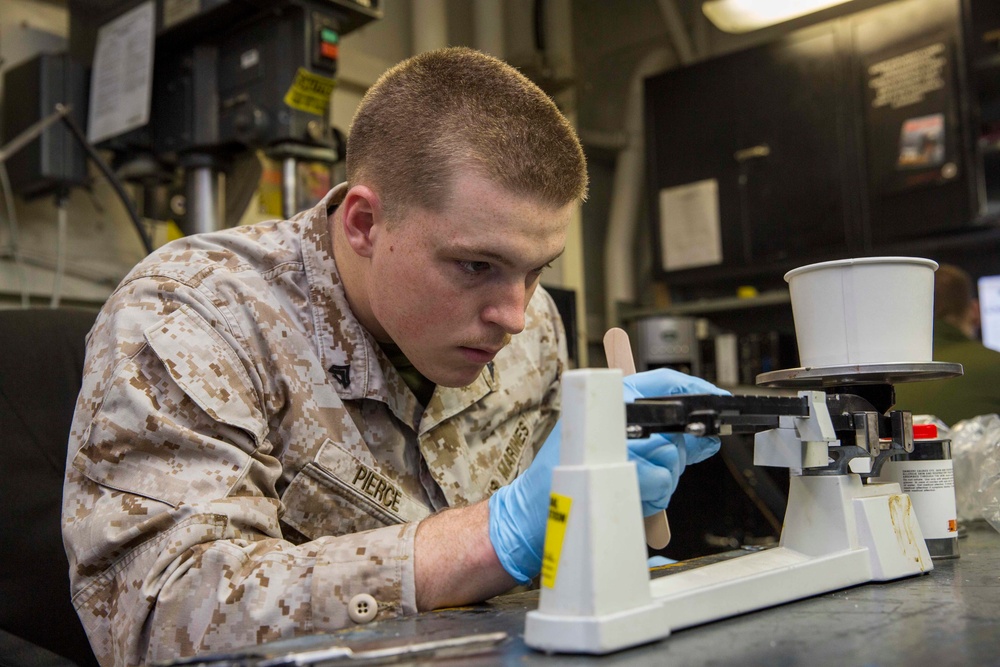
(480, 355)
(483, 352)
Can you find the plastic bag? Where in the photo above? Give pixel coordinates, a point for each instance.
(975, 449)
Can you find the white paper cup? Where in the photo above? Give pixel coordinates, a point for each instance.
(871, 310)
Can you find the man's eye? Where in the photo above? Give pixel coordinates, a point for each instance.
(474, 267)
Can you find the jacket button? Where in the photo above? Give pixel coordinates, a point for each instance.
(362, 608)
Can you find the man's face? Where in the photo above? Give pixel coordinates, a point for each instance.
(450, 288)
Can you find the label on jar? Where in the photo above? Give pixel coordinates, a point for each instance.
(931, 487)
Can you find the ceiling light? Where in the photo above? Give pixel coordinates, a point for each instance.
(746, 15)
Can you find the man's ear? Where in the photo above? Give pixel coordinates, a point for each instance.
(361, 215)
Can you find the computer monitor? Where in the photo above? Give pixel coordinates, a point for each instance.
(989, 310)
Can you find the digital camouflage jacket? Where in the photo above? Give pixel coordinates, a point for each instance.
(245, 462)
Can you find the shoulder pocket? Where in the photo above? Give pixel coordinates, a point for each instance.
(179, 421)
(204, 365)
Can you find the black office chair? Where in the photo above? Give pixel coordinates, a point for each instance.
(41, 369)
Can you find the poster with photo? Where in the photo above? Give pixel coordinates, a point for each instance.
(921, 142)
(910, 115)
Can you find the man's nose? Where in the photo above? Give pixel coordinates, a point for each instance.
(506, 308)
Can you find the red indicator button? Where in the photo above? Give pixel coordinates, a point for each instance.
(328, 50)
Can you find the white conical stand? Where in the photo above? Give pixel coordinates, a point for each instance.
(595, 595)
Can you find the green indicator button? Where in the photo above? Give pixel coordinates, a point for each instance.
(329, 36)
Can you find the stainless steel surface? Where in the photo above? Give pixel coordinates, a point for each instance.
(289, 187)
(946, 617)
(818, 377)
(204, 204)
(943, 547)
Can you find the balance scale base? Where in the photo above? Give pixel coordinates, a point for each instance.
(596, 595)
(838, 533)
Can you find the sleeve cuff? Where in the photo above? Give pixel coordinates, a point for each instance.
(376, 563)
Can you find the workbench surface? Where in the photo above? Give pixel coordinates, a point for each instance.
(950, 616)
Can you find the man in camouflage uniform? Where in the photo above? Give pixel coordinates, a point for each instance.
(273, 416)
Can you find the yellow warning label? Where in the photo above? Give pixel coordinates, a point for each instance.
(555, 531)
(310, 92)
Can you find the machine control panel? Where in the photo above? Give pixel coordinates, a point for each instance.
(326, 43)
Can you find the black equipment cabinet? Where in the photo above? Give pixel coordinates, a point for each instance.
(790, 156)
(55, 162)
(915, 104)
(691, 137)
(851, 137)
(983, 25)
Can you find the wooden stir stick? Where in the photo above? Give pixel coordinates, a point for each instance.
(619, 353)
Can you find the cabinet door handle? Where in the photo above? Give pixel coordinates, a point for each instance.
(744, 154)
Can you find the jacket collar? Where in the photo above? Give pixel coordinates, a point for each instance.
(356, 366)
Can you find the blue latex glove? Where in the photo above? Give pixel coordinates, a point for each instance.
(661, 458)
(519, 511)
(659, 561)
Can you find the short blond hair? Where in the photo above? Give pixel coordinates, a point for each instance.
(456, 108)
